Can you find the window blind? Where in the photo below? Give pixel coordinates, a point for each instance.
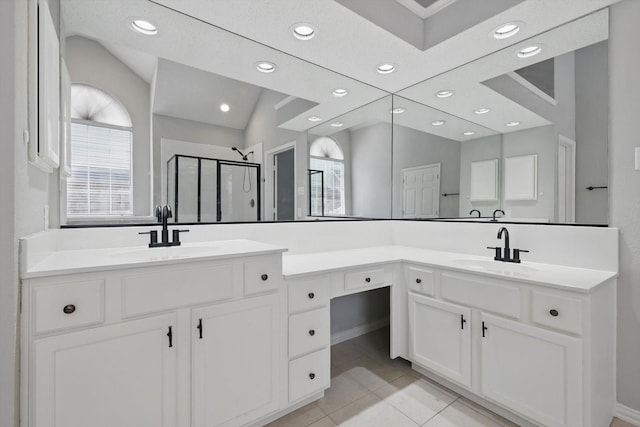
(100, 182)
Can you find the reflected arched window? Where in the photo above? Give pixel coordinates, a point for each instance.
(101, 155)
(326, 178)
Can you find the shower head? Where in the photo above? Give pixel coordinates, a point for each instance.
(245, 157)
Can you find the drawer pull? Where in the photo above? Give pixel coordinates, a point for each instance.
(264, 277)
(368, 279)
(312, 332)
(553, 312)
(312, 375)
(311, 295)
(69, 308)
(418, 280)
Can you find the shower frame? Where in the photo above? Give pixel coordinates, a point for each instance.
(219, 163)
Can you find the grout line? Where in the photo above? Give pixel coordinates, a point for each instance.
(438, 413)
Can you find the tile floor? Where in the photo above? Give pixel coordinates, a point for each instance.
(370, 390)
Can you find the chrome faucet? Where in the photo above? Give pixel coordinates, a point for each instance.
(494, 214)
(505, 254)
(163, 213)
(475, 210)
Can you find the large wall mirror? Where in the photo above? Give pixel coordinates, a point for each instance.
(545, 97)
(226, 128)
(204, 109)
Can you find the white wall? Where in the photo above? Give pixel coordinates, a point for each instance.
(592, 115)
(543, 142)
(262, 128)
(487, 148)
(371, 171)
(624, 185)
(88, 62)
(8, 247)
(412, 148)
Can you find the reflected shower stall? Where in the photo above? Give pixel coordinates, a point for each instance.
(201, 189)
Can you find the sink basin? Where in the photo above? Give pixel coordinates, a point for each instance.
(170, 252)
(497, 267)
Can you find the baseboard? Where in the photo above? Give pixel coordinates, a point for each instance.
(341, 336)
(627, 414)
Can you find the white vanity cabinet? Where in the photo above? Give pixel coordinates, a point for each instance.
(544, 354)
(235, 361)
(186, 344)
(118, 375)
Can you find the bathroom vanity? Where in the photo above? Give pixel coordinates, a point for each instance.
(234, 332)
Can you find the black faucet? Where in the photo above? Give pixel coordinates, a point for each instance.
(163, 214)
(494, 214)
(505, 254)
(475, 210)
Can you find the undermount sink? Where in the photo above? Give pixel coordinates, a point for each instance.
(169, 252)
(496, 266)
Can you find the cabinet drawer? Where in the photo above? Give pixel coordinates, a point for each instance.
(368, 278)
(165, 289)
(421, 280)
(308, 294)
(262, 274)
(493, 295)
(557, 311)
(308, 331)
(68, 305)
(309, 374)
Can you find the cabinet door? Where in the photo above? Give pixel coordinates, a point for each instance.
(236, 355)
(532, 371)
(119, 375)
(440, 337)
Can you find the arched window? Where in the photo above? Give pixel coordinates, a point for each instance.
(326, 156)
(101, 155)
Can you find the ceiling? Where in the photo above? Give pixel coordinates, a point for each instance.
(227, 38)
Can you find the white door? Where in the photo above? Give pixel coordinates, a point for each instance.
(235, 375)
(440, 337)
(120, 375)
(421, 192)
(566, 180)
(549, 363)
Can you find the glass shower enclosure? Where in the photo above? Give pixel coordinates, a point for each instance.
(201, 189)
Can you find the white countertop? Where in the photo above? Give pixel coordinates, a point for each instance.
(555, 276)
(88, 260)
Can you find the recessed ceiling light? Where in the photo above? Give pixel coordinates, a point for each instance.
(303, 31)
(266, 66)
(482, 111)
(438, 123)
(386, 68)
(397, 110)
(529, 51)
(506, 30)
(340, 92)
(444, 93)
(512, 124)
(143, 26)
(469, 133)
(224, 107)
(314, 118)
(337, 124)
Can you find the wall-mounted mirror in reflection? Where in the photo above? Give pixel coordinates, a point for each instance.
(349, 163)
(545, 96)
(206, 110)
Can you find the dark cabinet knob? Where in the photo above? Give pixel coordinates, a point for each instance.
(312, 332)
(312, 375)
(264, 277)
(69, 308)
(418, 280)
(368, 279)
(553, 312)
(311, 295)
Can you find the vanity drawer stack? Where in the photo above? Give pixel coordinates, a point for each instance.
(309, 337)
